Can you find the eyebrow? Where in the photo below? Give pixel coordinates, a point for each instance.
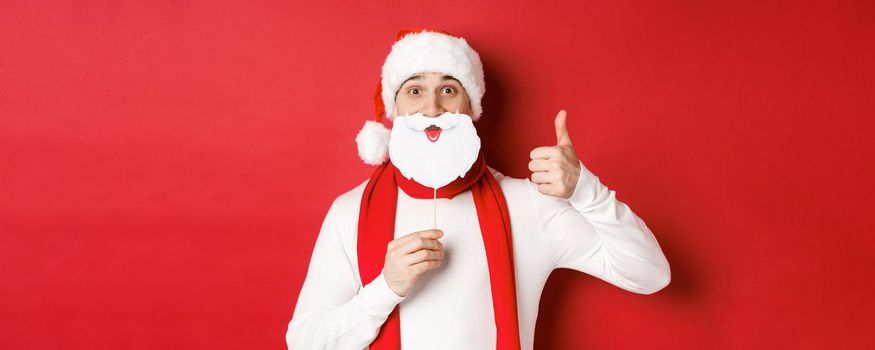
(419, 76)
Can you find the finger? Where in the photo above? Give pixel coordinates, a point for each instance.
(431, 233)
(540, 165)
(422, 255)
(544, 165)
(419, 243)
(543, 177)
(401, 241)
(548, 189)
(426, 265)
(544, 152)
(562, 138)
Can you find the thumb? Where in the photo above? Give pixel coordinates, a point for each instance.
(562, 138)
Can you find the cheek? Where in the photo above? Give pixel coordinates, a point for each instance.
(465, 104)
(402, 105)
(456, 102)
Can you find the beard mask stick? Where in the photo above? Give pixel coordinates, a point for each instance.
(434, 151)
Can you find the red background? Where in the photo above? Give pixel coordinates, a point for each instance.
(165, 166)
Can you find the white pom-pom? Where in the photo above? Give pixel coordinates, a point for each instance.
(373, 142)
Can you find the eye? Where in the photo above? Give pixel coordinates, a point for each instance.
(414, 91)
(449, 89)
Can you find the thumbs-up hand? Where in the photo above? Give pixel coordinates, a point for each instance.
(556, 169)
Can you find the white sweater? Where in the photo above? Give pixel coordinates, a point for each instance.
(451, 307)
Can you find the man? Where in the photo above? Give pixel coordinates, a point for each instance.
(458, 257)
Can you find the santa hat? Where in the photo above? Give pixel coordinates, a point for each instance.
(418, 50)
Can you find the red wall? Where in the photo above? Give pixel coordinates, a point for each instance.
(165, 166)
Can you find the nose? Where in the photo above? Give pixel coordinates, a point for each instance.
(432, 108)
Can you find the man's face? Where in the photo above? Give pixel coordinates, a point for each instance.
(430, 142)
(431, 94)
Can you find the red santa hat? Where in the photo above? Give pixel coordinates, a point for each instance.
(418, 50)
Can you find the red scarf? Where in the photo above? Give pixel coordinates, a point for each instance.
(376, 228)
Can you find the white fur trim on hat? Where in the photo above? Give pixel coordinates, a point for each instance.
(433, 52)
(373, 142)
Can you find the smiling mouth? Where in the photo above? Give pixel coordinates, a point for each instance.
(433, 132)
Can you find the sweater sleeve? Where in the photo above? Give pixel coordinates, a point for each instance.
(333, 311)
(594, 233)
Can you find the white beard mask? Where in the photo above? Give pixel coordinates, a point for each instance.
(433, 157)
